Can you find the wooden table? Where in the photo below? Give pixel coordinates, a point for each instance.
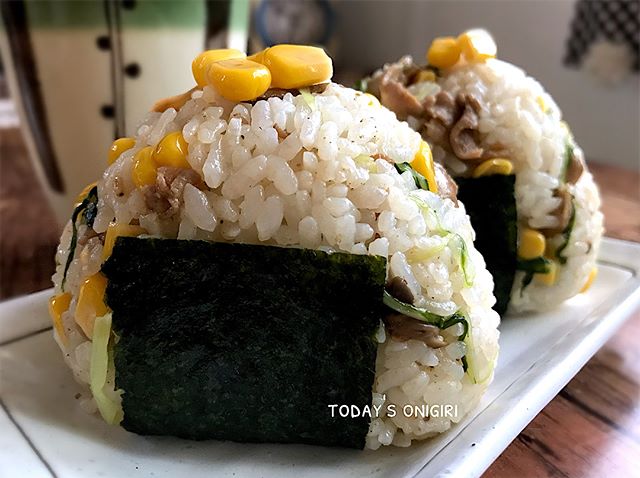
(592, 428)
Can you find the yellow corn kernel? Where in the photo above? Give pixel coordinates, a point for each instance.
(85, 191)
(493, 166)
(58, 305)
(172, 151)
(532, 244)
(258, 57)
(144, 167)
(91, 302)
(118, 230)
(477, 45)
(200, 66)
(444, 52)
(592, 276)
(425, 76)
(548, 278)
(373, 101)
(296, 66)
(541, 103)
(118, 147)
(423, 163)
(240, 80)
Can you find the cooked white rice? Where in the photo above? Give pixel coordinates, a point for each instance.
(512, 118)
(295, 172)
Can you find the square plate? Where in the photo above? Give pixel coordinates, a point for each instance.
(44, 432)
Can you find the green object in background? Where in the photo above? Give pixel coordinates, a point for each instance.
(491, 205)
(243, 342)
(239, 19)
(140, 14)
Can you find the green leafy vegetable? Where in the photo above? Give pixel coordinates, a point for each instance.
(362, 85)
(568, 155)
(308, 98)
(463, 258)
(491, 205)
(86, 211)
(476, 365)
(244, 342)
(442, 322)
(419, 179)
(567, 235)
(366, 161)
(101, 364)
(456, 241)
(429, 214)
(539, 265)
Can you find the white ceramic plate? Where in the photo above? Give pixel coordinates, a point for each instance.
(43, 431)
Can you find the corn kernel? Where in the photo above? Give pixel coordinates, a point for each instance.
(85, 191)
(373, 101)
(91, 302)
(532, 244)
(172, 151)
(176, 102)
(423, 164)
(240, 80)
(200, 66)
(118, 230)
(425, 76)
(258, 57)
(144, 167)
(444, 52)
(118, 147)
(58, 305)
(547, 278)
(477, 45)
(296, 66)
(592, 276)
(493, 166)
(541, 103)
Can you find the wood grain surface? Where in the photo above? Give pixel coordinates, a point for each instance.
(592, 428)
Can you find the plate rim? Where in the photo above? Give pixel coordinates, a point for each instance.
(497, 427)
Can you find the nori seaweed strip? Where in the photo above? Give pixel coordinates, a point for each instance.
(244, 342)
(89, 209)
(567, 235)
(491, 205)
(419, 179)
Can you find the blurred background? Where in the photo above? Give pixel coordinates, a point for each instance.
(74, 75)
